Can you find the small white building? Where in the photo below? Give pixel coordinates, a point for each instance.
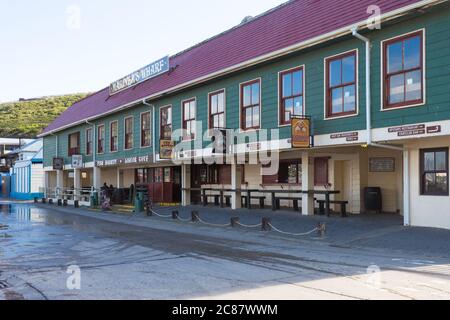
(27, 174)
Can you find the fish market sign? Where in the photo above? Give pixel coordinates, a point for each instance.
(152, 70)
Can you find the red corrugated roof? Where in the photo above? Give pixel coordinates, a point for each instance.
(282, 27)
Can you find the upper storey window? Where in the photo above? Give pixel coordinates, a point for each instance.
(342, 86)
(403, 74)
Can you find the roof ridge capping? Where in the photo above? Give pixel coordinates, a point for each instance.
(244, 22)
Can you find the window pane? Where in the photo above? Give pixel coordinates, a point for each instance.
(192, 110)
(441, 182)
(429, 161)
(395, 57)
(292, 173)
(348, 69)
(247, 96)
(349, 98)
(335, 73)
(298, 106)
(221, 102)
(441, 161)
(216, 122)
(414, 85)
(287, 85)
(186, 111)
(298, 83)
(397, 89)
(289, 106)
(412, 53)
(221, 121)
(248, 117)
(255, 93)
(336, 106)
(256, 117)
(214, 104)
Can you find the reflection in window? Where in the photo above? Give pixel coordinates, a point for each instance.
(291, 84)
(250, 105)
(434, 171)
(341, 85)
(403, 71)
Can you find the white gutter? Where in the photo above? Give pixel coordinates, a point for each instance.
(153, 128)
(285, 51)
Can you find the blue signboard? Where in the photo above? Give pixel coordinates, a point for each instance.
(152, 70)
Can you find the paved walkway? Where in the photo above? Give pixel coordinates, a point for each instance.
(383, 231)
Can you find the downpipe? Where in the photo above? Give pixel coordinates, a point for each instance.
(153, 128)
(369, 141)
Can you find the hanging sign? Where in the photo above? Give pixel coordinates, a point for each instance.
(166, 149)
(301, 132)
(58, 163)
(77, 162)
(152, 70)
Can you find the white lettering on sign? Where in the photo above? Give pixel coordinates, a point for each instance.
(152, 70)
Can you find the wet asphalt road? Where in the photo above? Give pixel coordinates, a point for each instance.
(120, 259)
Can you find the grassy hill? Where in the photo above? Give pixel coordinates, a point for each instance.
(27, 118)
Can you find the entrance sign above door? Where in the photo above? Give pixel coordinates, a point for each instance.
(301, 132)
(152, 70)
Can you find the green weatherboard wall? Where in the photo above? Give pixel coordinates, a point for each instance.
(437, 107)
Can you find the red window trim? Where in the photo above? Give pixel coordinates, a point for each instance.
(242, 108)
(183, 103)
(89, 148)
(328, 98)
(161, 125)
(143, 131)
(75, 150)
(111, 136)
(386, 87)
(283, 121)
(100, 140)
(126, 146)
(210, 114)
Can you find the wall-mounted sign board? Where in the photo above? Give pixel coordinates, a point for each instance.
(301, 132)
(382, 164)
(152, 70)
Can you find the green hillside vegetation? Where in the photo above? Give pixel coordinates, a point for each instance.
(27, 118)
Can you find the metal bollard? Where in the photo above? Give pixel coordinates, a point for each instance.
(65, 202)
(50, 201)
(148, 211)
(195, 216)
(175, 215)
(76, 203)
(59, 202)
(266, 224)
(321, 228)
(44, 200)
(234, 222)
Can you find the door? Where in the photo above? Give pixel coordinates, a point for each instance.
(343, 181)
(198, 178)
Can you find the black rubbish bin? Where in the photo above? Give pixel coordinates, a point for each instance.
(373, 199)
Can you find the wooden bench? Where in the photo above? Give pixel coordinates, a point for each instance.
(276, 203)
(262, 200)
(343, 205)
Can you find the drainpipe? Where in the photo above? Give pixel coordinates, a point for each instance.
(153, 128)
(406, 179)
(368, 85)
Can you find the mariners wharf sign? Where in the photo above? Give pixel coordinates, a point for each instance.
(152, 70)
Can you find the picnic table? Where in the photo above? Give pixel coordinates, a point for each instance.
(273, 193)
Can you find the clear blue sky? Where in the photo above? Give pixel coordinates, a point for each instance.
(45, 49)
